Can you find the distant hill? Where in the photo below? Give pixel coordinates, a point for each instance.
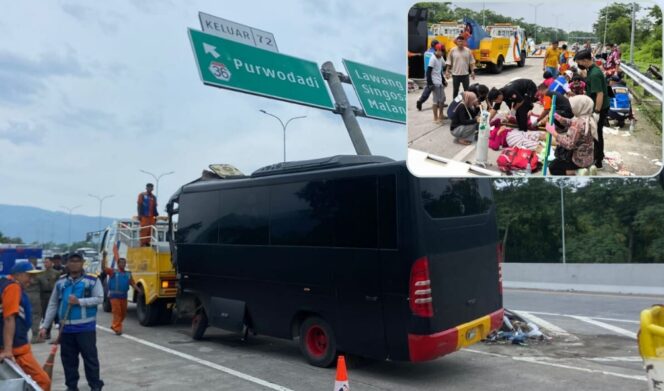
(35, 224)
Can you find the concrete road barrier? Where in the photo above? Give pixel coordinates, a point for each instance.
(623, 278)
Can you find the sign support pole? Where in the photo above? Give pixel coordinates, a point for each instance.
(344, 108)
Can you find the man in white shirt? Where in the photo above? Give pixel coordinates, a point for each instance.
(461, 64)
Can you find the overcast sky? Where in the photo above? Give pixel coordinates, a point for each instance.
(91, 92)
(572, 15)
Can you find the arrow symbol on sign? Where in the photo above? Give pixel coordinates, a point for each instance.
(209, 49)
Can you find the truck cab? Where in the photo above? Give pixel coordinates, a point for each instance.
(150, 267)
(505, 46)
(445, 33)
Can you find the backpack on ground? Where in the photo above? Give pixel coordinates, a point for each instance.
(514, 158)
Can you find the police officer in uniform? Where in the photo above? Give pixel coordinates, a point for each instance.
(75, 299)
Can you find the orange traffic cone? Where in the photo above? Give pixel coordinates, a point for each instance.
(341, 383)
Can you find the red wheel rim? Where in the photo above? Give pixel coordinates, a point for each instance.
(316, 340)
(196, 321)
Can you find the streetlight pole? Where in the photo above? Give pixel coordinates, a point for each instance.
(69, 210)
(157, 178)
(562, 218)
(606, 23)
(631, 40)
(101, 202)
(284, 126)
(535, 6)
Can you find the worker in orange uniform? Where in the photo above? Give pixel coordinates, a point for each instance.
(118, 284)
(147, 213)
(16, 321)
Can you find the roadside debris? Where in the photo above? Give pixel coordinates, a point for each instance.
(517, 331)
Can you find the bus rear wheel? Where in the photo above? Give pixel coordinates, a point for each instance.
(317, 342)
(199, 323)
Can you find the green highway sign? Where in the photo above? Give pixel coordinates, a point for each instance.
(382, 93)
(228, 64)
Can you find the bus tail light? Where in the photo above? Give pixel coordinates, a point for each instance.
(499, 257)
(420, 289)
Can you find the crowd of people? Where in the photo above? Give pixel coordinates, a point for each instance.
(578, 86)
(33, 298)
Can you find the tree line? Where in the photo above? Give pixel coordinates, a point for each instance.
(616, 20)
(606, 220)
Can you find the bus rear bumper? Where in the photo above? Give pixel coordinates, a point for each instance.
(431, 346)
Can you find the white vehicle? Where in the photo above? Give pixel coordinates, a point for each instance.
(89, 254)
(506, 46)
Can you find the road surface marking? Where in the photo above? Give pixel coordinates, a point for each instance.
(606, 326)
(591, 317)
(459, 157)
(552, 328)
(206, 363)
(615, 359)
(541, 361)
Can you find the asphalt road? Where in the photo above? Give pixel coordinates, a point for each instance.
(638, 152)
(582, 354)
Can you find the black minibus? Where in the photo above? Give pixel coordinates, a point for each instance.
(349, 254)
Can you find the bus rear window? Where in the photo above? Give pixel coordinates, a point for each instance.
(445, 198)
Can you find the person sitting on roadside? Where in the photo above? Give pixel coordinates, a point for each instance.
(480, 90)
(561, 83)
(579, 139)
(563, 106)
(548, 78)
(466, 119)
(578, 86)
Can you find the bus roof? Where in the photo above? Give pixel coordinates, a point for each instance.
(337, 161)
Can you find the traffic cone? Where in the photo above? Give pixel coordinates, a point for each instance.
(341, 382)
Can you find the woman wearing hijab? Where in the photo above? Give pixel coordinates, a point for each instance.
(465, 119)
(581, 131)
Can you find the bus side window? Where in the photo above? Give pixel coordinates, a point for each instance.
(387, 211)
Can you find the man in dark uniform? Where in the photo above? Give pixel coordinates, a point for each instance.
(519, 95)
(598, 89)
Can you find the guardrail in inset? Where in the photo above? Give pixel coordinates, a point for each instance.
(652, 86)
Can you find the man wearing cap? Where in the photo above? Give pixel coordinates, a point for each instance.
(16, 322)
(57, 263)
(598, 90)
(34, 295)
(147, 213)
(461, 64)
(427, 90)
(75, 299)
(46, 282)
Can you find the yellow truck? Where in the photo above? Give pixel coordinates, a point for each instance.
(150, 266)
(506, 45)
(445, 33)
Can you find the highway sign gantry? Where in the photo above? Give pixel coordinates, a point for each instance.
(382, 93)
(227, 64)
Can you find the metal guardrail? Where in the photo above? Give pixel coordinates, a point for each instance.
(652, 86)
